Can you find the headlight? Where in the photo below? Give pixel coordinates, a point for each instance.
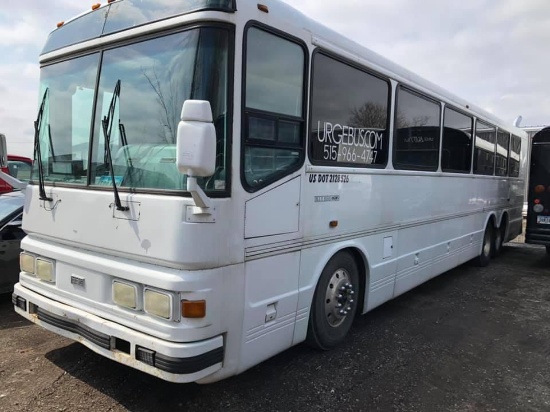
(45, 270)
(26, 262)
(125, 295)
(157, 303)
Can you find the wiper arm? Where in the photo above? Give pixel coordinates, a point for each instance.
(107, 123)
(37, 127)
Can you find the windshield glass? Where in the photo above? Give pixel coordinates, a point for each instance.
(156, 76)
(67, 118)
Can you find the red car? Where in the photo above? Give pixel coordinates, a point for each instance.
(19, 167)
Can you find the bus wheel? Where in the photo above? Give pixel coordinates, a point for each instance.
(498, 240)
(334, 303)
(548, 250)
(487, 249)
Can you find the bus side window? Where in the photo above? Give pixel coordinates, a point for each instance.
(273, 122)
(503, 146)
(485, 145)
(417, 129)
(514, 153)
(456, 154)
(349, 115)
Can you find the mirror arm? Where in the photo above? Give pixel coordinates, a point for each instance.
(200, 198)
(12, 181)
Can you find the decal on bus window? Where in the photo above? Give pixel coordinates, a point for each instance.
(348, 144)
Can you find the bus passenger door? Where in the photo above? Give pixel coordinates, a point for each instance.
(272, 156)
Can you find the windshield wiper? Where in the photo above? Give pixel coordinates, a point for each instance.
(124, 143)
(107, 123)
(37, 127)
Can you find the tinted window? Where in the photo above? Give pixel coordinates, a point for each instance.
(274, 111)
(484, 154)
(349, 115)
(515, 153)
(131, 13)
(83, 28)
(416, 140)
(274, 74)
(501, 161)
(456, 153)
(125, 14)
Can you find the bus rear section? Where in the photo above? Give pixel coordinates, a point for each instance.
(538, 208)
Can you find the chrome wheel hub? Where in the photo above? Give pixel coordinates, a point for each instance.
(339, 298)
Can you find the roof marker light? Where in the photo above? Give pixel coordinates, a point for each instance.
(96, 6)
(110, 1)
(263, 7)
(61, 23)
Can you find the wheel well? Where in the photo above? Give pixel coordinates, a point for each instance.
(364, 274)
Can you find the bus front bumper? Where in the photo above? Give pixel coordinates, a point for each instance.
(170, 361)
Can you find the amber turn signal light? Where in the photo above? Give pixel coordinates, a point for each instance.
(193, 309)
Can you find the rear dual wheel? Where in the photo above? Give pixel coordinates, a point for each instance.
(487, 247)
(334, 303)
(498, 240)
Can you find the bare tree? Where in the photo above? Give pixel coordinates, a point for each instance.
(168, 100)
(373, 115)
(370, 115)
(419, 121)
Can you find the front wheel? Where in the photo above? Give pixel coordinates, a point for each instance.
(334, 303)
(487, 248)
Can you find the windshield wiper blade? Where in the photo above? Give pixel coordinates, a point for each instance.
(107, 123)
(124, 143)
(37, 127)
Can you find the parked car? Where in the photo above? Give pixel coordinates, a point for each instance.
(11, 233)
(19, 167)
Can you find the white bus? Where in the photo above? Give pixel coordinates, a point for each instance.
(305, 180)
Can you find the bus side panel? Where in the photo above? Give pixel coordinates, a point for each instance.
(271, 297)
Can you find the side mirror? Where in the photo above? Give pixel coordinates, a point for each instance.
(196, 139)
(3, 151)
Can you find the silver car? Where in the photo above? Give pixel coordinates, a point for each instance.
(11, 233)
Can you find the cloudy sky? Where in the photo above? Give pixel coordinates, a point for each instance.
(491, 52)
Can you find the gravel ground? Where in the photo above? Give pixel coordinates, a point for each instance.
(473, 339)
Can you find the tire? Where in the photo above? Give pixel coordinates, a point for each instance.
(487, 247)
(498, 241)
(334, 303)
(548, 250)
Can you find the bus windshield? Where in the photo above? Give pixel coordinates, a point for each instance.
(156, 76)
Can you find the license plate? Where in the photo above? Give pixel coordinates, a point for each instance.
(543, 220)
